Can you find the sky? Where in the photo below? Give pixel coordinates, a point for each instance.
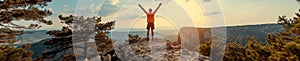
(175, 13)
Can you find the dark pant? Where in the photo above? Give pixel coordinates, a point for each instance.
(150, 25)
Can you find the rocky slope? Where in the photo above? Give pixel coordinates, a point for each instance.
(155, 50)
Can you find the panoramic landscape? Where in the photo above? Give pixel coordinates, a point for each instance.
(149, 30)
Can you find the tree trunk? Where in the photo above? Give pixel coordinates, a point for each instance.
(85, 49)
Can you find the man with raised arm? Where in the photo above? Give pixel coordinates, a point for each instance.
(150, 19)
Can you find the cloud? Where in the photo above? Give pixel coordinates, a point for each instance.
(65, 5)
(206, 0)
(130, 12)
(213, 13)
(89, 7)
(110, 7)
(187, 0)
(163, 1)
(115, 2)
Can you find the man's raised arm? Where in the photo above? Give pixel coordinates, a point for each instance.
(142, 8)
(157, 7)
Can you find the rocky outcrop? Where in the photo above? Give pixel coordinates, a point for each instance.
(155, 50)
(190, 37)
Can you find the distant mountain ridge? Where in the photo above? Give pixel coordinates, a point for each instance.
(32, 36)
(260, 32)
(240, 33)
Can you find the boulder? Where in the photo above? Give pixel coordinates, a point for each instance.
(190, 37)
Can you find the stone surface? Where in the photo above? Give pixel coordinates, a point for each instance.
(155, 50)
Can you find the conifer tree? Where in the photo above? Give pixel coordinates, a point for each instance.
(62, 39)
(286, 45)
(281, 46)
(19, 10)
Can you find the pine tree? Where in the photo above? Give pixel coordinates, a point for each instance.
(285, 45)
(62, 39)
(17, 10)
(282, 46)
(133, 38)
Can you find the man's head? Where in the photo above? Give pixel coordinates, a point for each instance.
(150, 10)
